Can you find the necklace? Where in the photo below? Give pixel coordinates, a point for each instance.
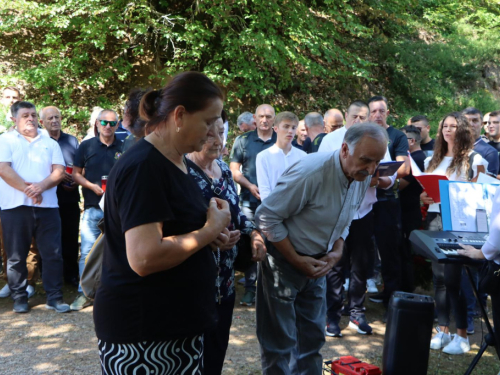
(218, 279)
(217, 190)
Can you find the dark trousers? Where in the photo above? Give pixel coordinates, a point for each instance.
(360, 253)
(216, 341)
(410, 220)
(250, 272)
(447, 279)
(70, 230)
(20, 225)
(387, 216)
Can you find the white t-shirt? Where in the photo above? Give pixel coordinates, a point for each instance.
(462, 176)
(33, 162)
(270, 165)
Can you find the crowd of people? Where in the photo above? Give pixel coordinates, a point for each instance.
(304, 198)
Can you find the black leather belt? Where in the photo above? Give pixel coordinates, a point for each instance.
(315, 256)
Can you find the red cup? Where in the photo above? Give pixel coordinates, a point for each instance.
(69, 168)
(104, 181)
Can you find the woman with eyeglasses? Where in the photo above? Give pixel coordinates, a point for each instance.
(156, 298)
(454, 158)
(96, 156)
(215, 180)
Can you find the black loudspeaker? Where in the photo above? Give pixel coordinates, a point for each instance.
(408, 334)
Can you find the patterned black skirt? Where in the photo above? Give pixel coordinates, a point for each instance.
(181, 356)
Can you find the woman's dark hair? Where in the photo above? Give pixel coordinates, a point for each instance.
(223, 115)
(464, 142)
(137, 124)
(192, 90)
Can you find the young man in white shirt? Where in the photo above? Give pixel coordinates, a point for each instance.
(31, 166)
(271, 163)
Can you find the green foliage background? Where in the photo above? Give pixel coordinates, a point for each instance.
(428, 56)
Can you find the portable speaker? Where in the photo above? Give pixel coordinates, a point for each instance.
(408, 334)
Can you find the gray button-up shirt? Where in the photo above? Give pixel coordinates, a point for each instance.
(313, 204)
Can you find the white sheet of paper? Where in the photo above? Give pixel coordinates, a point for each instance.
(465, 199)
(415, 170)
(101, 202)
(483, 178)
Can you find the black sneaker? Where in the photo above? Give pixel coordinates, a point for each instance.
(377, 298)
(359, 323)
(333, 329)
(21, 305)
(345, 311)
(58, 305)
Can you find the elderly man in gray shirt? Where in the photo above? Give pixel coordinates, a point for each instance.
(306, 219)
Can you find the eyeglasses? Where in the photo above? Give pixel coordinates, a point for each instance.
(110, 123)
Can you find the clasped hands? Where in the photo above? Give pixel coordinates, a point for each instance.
(227, 239)
(34, 191)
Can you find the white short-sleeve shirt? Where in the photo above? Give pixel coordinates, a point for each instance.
(33, 162)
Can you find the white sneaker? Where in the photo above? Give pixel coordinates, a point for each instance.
(458, 345)
(371, 287)
(31, 291)
(440, 340)
(5, 292)
(346, 285)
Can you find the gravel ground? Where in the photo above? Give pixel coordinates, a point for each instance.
(44, 342)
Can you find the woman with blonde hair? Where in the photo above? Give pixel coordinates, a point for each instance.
(454, 158)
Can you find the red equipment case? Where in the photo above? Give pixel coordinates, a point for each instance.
(353, 366)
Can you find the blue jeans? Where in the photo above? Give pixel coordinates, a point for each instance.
(291, 318)
(88, 233)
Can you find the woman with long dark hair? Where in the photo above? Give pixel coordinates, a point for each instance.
(155, 301)
(454, 158)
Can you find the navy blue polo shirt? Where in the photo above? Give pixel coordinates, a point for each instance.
(245, 150)
(295, 144)
(69, 145)
(489, 154)
(121, 133)
(496, 146)
(97, 159)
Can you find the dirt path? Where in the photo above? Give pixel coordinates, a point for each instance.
(44, 342)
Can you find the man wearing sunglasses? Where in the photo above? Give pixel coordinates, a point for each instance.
(95, 156)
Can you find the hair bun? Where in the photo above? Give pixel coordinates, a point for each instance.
(149, 104)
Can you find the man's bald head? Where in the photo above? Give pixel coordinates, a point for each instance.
(45, 110)
(334, 119)
(50, 117)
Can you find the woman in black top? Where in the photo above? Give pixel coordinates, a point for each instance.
(155, 301)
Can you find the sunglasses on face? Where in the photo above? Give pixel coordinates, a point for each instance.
(110, 123)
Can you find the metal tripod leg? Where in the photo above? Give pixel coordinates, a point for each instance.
(490, 337)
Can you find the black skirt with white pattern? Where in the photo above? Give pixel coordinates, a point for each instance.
(181, 356)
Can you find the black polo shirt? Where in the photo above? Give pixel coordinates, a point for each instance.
(97, 159)
(245, 150)
(314, 145)
(69, 145)
(410, 196)
(429, 146)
